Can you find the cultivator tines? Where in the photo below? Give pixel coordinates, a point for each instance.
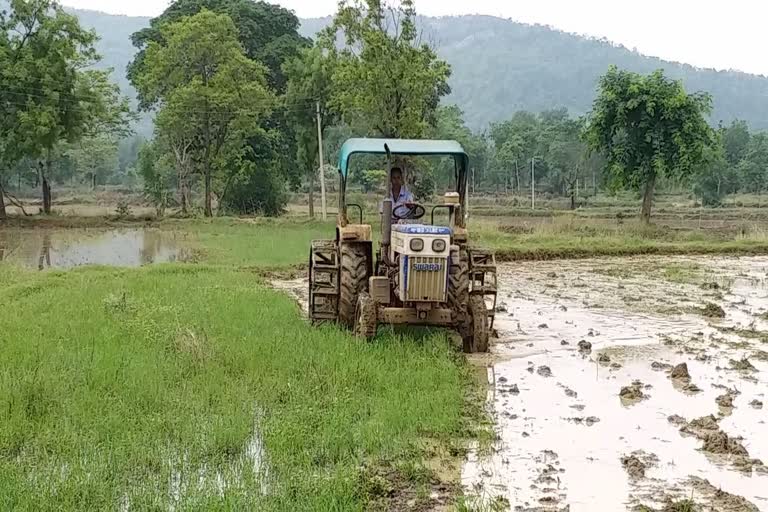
(323, 281)
(483, 279)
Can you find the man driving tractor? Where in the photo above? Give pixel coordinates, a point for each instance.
(402, 198)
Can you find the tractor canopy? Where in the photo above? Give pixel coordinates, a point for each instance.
(401, 147)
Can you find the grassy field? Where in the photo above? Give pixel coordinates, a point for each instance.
(197, 386)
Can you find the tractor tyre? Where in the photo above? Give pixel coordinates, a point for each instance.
(354, 274)
(476, 336)
(458, 286)
(366, 320)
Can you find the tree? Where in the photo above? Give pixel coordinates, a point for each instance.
(96, 158)
(647, 126)
(46, 96)
(450, 125)
(209, 93)
(735, 140)
(156, 175)
(753, 168)
(309, 88)
(268, 34)
(385, 77)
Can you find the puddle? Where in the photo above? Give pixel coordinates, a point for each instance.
(563, 430)
(63, 249)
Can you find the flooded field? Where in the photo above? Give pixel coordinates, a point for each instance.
(42, 248)
(628, 384)
(625, 384)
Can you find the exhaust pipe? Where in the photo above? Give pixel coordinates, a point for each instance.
(386, 214)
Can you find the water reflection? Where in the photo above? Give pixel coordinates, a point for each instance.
(69, 248)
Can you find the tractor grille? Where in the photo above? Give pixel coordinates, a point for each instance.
(427, 278)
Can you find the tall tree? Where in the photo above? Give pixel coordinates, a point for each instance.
(309, 89)
(46, 96)
(386, 77)
(209, 93)
(647, 126)
(735, 140)
(268, 33)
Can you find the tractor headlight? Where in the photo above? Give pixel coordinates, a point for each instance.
(438, 245)
(417, 244)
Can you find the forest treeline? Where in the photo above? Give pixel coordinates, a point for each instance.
(237, 91)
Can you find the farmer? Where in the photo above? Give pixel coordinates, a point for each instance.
(401, 197)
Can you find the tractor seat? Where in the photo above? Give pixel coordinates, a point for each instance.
(421, 229)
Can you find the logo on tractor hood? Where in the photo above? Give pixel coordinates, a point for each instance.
(427, 267)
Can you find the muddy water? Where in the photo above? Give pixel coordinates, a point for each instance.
(563, 429)
(42, 249)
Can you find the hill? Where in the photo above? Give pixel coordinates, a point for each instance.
(501, 66)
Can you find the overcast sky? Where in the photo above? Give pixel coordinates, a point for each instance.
(708, 33)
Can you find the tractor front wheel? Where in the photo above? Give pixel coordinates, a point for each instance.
(366, 319)
(475, 337)
(354, 274)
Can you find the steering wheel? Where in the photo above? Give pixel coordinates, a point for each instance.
(411, 211)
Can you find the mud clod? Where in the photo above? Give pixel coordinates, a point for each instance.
(544, 371)
(633, 392)
(634, 466)
(742, 365)
(543, 326)
(591, 420)
(725, 400)
(604, 358)
(564, 343)
(677, 420)
(711, 310)
(757, 404)
(720, 442)
(680, 372)
(700, 427)
(585, 346)
(657, 366)
(691, 388)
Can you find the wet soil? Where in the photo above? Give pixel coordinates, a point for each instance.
(692, 428)
(67, 248)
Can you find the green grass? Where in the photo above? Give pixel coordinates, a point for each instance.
(254, 242)
(570, 237)
(116, 383)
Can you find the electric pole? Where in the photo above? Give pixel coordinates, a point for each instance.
(533, 183)
(322, 162)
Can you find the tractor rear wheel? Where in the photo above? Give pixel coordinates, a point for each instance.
(458, 284)
(366, 319)
(354, 274)
(475, 336)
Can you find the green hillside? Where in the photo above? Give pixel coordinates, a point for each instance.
(500, 66)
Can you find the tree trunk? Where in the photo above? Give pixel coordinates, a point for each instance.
(93, 181)
(3, 215)
(46, 186)
(312, 194)
(208, 208)
(645, 213)
(46, 196)
(517, 177)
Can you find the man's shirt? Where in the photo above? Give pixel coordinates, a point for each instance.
(405, 196)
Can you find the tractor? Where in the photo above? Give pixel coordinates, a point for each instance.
(421, 273)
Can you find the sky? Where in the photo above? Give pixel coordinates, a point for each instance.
(706, 33)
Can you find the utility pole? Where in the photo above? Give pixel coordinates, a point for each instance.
(533, 183)
(322, 162)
